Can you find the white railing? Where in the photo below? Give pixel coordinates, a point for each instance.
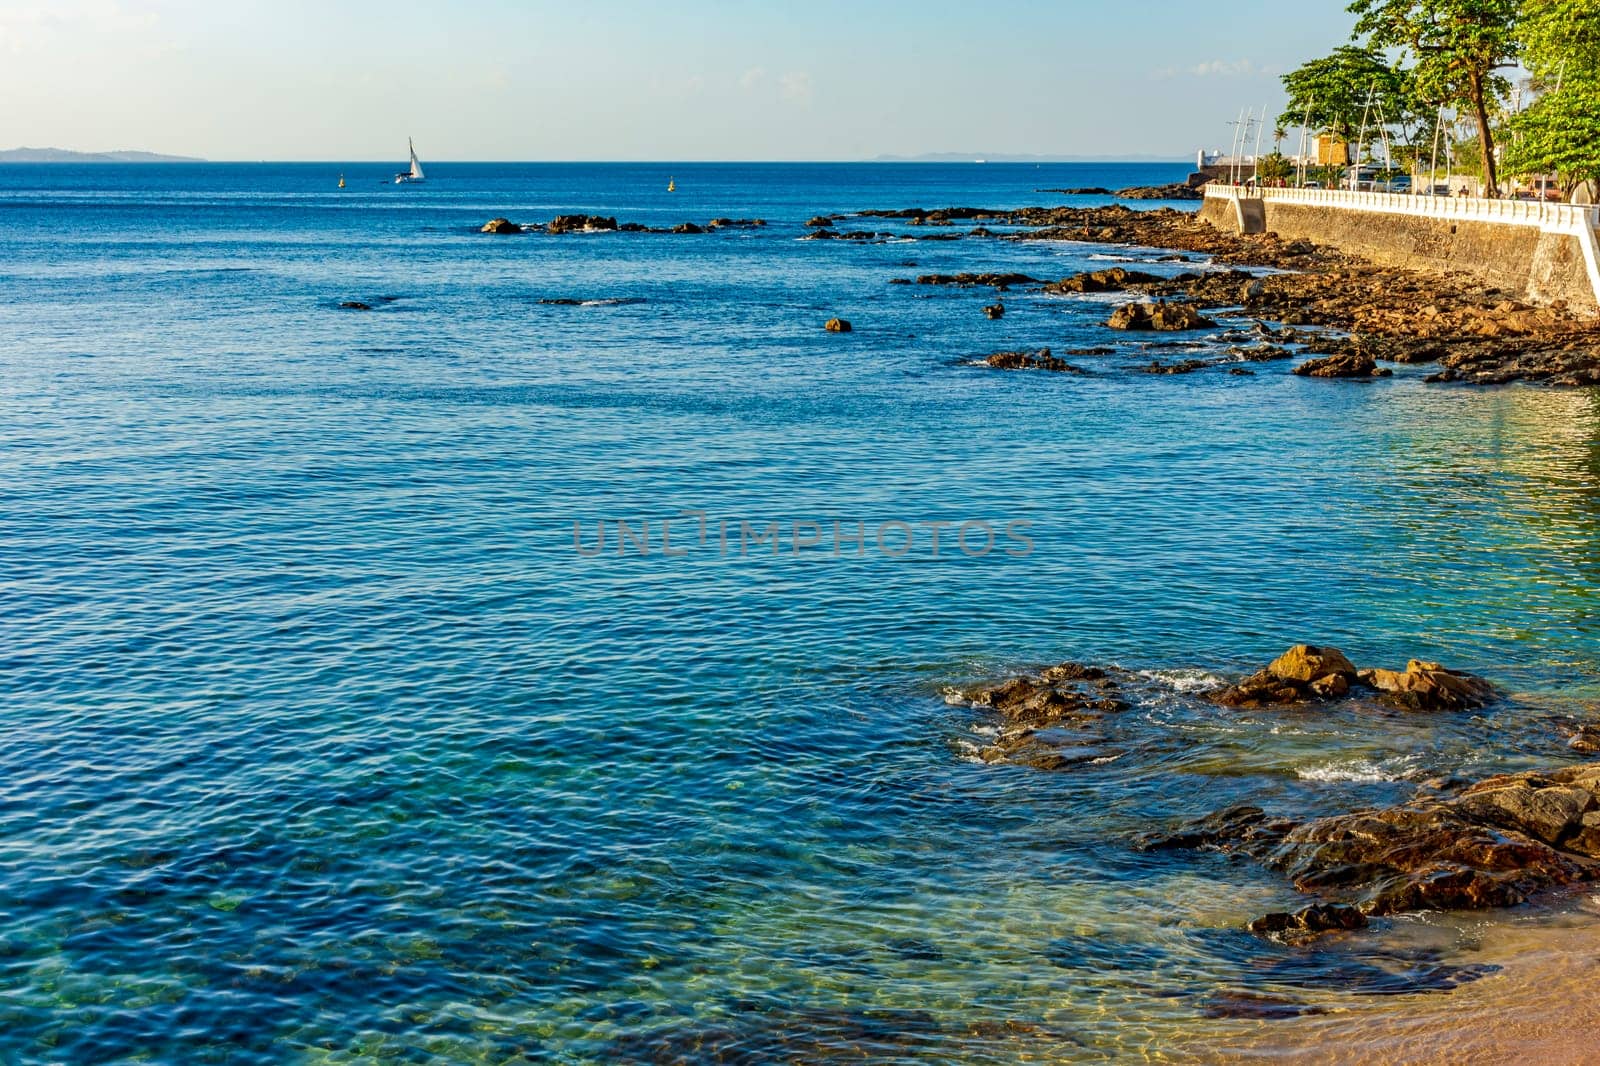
(1576, 220)
(1566, 218)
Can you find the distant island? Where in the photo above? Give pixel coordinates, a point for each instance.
(1003, 157)
(62, 155)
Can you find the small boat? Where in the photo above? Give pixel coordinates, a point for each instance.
(341, 181)
(672, 185)
(414, 175)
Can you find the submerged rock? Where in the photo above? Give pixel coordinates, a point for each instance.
(354, 305)
(501, 225)
(837, 325)
(736, 223)
(687, 227)
(994, 311)
(1160, 316)
(819, 222)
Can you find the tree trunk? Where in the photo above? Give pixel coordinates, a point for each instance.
(1491, 184)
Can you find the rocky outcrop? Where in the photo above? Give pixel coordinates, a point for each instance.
(998, 281)
(819, 222)
(1175, 191)
(1346, 365)
(1160, 316)
(1115, 279)
(1427, 686)
(837, 325)
(1044, 717)
(580, 224)
(1307, 672)
(501, 225)
(687, 227)
(1492, 845)
(994, 310)
(736, 223)
(1039, 360)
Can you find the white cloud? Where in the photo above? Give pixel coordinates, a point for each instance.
(1219, 68)
(35, 27)
(796, 87)
(752, 78)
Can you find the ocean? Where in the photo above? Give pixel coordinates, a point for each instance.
(333, 731)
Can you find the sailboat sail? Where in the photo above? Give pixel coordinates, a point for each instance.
(416, 167)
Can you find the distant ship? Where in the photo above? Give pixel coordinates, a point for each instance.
(415, 174)
(672, 185)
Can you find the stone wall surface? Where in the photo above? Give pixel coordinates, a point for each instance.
(1527, 262)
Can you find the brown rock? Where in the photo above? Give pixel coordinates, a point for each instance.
(501, 225)
(1347, 365)
(837, 325)
(1309, 922)
(1308, 662)
(1427, 686)
(1161, 316)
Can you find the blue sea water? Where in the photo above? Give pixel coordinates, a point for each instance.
(322, 739)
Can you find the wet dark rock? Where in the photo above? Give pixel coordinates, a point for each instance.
(1243, 828)
(1044, 716)
(819, 222)
(501, 225)
(1491, 845)
(900, 281)
(1091, 190)
(1309, 922)
(1116, 279)
(837, 325)
(1040, 360)
(1175, 191)
(998, 281)
(736, 223)
(1347, 365)
(581, 224)
(1241, 372)
(561, 301)
(354, 305)
(687, 227)
(1160, 316)
(1182, 366)
(1584, 738)
(994, 311)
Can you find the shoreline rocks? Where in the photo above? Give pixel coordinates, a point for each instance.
(1307, 673)
(1160, 316)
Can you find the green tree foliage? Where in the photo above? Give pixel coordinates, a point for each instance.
(1458, 45)
(1560, 132)
(1353, 86)
(1274, 168)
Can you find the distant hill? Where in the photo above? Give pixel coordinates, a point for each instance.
(61, 155)
(1002, 157)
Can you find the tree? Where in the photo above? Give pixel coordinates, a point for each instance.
(1333, 94)
(1458, 46)
(1560, 131)
(1355, 87)
(1560, 134)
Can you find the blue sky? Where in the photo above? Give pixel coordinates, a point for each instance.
(623, 79)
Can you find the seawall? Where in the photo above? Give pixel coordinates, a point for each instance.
(1541, 253)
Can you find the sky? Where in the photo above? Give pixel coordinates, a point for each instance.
(646, 79)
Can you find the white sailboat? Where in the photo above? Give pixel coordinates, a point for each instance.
(415, 174)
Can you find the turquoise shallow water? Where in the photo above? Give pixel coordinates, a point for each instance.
(322, 743)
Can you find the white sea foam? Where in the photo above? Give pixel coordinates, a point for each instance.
(1398, 768)
(1185, 681)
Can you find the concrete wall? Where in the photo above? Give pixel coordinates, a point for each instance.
(1524, 260)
